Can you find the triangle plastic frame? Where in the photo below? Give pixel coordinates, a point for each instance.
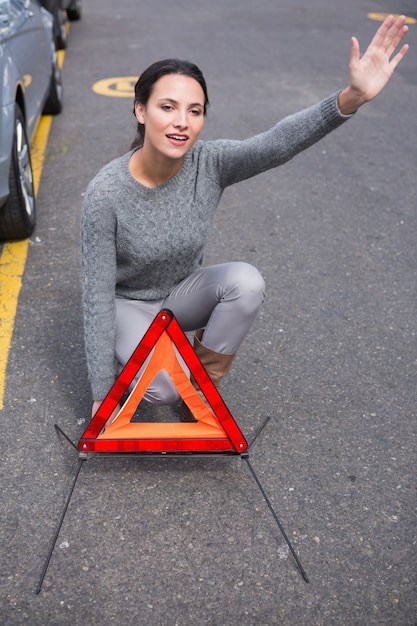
(214, 432)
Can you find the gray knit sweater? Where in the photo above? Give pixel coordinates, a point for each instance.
(138, 242)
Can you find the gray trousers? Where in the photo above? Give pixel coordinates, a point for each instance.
(223, 299)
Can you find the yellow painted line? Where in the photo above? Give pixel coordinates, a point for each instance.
(14, 254)
(116, 87)
(13, 261)
(60, 56)
(38, 149)
(380, 17)
(12, 265)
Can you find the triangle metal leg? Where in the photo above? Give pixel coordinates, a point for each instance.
(59, 526)
(258, 432)
(61, 432)
(275, 516)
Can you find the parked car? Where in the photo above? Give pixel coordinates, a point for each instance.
(31, 86)
(73, 9)
(60, 10)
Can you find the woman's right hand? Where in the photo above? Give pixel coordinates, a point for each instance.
(95, 408)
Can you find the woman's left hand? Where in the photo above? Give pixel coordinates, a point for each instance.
(370, 73)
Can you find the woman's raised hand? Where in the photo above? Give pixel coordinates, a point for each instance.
(370, 73)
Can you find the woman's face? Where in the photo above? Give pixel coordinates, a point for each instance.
(173, 116)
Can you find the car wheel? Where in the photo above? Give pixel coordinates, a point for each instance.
(18, 214)
(53, 104)
(74, 11)
(60, 32)
(61, 38)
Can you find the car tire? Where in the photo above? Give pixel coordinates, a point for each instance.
(59, 27)
(54, 101)
(18, 214)
(61, 38)
(74, 11)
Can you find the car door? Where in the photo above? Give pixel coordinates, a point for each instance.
(30, 49)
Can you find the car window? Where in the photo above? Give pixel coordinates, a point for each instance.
(10, 8)
(20, 4)
(5, 8)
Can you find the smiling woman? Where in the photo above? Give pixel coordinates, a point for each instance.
(173, 117)
(185, 71)
(147, 216)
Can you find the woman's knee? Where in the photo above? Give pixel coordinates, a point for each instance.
(162, 390)
(250, 284)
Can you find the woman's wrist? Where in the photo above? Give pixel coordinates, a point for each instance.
(349, 101)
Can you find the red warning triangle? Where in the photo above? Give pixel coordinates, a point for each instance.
(215, 430)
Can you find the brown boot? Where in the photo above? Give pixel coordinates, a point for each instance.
(216, 365)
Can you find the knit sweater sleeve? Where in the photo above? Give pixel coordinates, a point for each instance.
(98, 237)
(239, 160)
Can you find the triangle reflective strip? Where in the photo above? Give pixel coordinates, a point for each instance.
(215, 430)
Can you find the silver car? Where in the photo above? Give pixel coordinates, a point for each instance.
(60, 10)
(31, 86)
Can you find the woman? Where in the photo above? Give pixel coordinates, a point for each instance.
(147, 215)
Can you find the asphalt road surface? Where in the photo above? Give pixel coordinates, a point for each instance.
(331, 358)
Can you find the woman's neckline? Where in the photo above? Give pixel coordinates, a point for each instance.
(142, 182)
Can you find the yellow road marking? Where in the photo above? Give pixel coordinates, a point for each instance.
(380, 17)
(13, 260)
(13, 257)
(12, 265)
(38, 148)
(117, 87)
